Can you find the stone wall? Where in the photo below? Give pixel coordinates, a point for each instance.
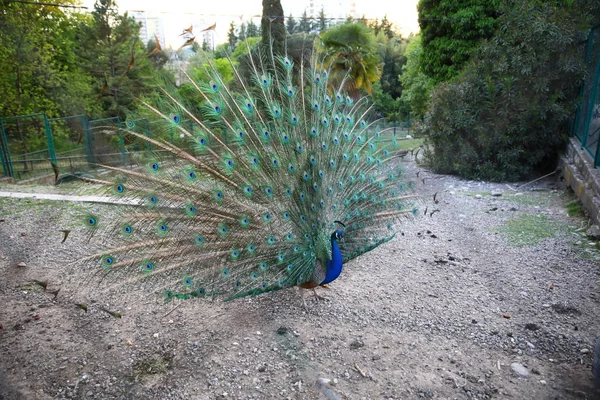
(579, 172)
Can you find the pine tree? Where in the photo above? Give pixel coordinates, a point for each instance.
(242, 32)
(252, 30)
(322, 20)
(305, 23)
(231, 37)
(291, 25)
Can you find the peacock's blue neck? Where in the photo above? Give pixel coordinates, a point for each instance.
(334, 266)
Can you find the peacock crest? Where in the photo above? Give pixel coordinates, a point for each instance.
(262, 184)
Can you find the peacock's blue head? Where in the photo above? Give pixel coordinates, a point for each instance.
(337, 235)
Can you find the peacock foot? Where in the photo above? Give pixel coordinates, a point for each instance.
(317, 297)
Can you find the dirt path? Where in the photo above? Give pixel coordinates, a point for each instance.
(440, 312)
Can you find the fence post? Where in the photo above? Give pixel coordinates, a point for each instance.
(591, 110)
(87, 137)
(50, 139)
(5, 153)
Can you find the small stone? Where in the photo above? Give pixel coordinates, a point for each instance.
(543, 382)
(478, 196)
(357, 344)
(262, 368)
(519, 369)
(496, 193)
(282, 330)
(21, 264)
(584, 351)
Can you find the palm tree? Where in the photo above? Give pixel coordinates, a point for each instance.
(351, 49)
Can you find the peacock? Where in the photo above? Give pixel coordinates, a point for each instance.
(273, 179)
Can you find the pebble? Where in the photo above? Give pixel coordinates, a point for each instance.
(585, 351)
(519, 369)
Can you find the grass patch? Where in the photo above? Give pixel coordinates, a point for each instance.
(473, 194)
(531, 198)
(150, 366)
(574, 209)
(410, 143)
(528, 229)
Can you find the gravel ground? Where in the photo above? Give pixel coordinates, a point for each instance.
(494, 296)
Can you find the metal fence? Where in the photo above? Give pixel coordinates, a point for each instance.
(33, 146)
(586, 127)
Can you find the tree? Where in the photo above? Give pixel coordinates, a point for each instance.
(416, 86)
(222, 50)
(231, 37)
(242, 32)
(391, 53)
(388, 90)
(506, 116)
(451, 31)
(40, 72)
(351, 48)
(384, 26)
(273, 28)
(113, 55)
(305, 24)
(291, 25)
(322, 20)
(252, 30)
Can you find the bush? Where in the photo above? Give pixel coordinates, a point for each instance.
(506, 116)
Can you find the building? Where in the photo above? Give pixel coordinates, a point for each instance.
(150, 26)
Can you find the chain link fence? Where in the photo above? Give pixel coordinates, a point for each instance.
(34, 146)
(586, 127)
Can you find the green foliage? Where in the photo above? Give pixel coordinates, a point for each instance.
(291, 25)
(385, 26)
(244, 46)
(505, 117)
(198, 68)
(351, 48)
(321, 24)
(252, 30)
(231, 37)
(392, 54)
(305, 24)
(222, 50)
(39, 70)
(416, 86)
(241, 32)
(451, 31)
(113, 55)
(158, 58)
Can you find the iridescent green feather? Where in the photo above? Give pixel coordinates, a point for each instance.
(240, 186)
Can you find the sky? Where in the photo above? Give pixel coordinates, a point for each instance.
(180, 14)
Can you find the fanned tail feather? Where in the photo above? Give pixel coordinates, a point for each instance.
(246, 202)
